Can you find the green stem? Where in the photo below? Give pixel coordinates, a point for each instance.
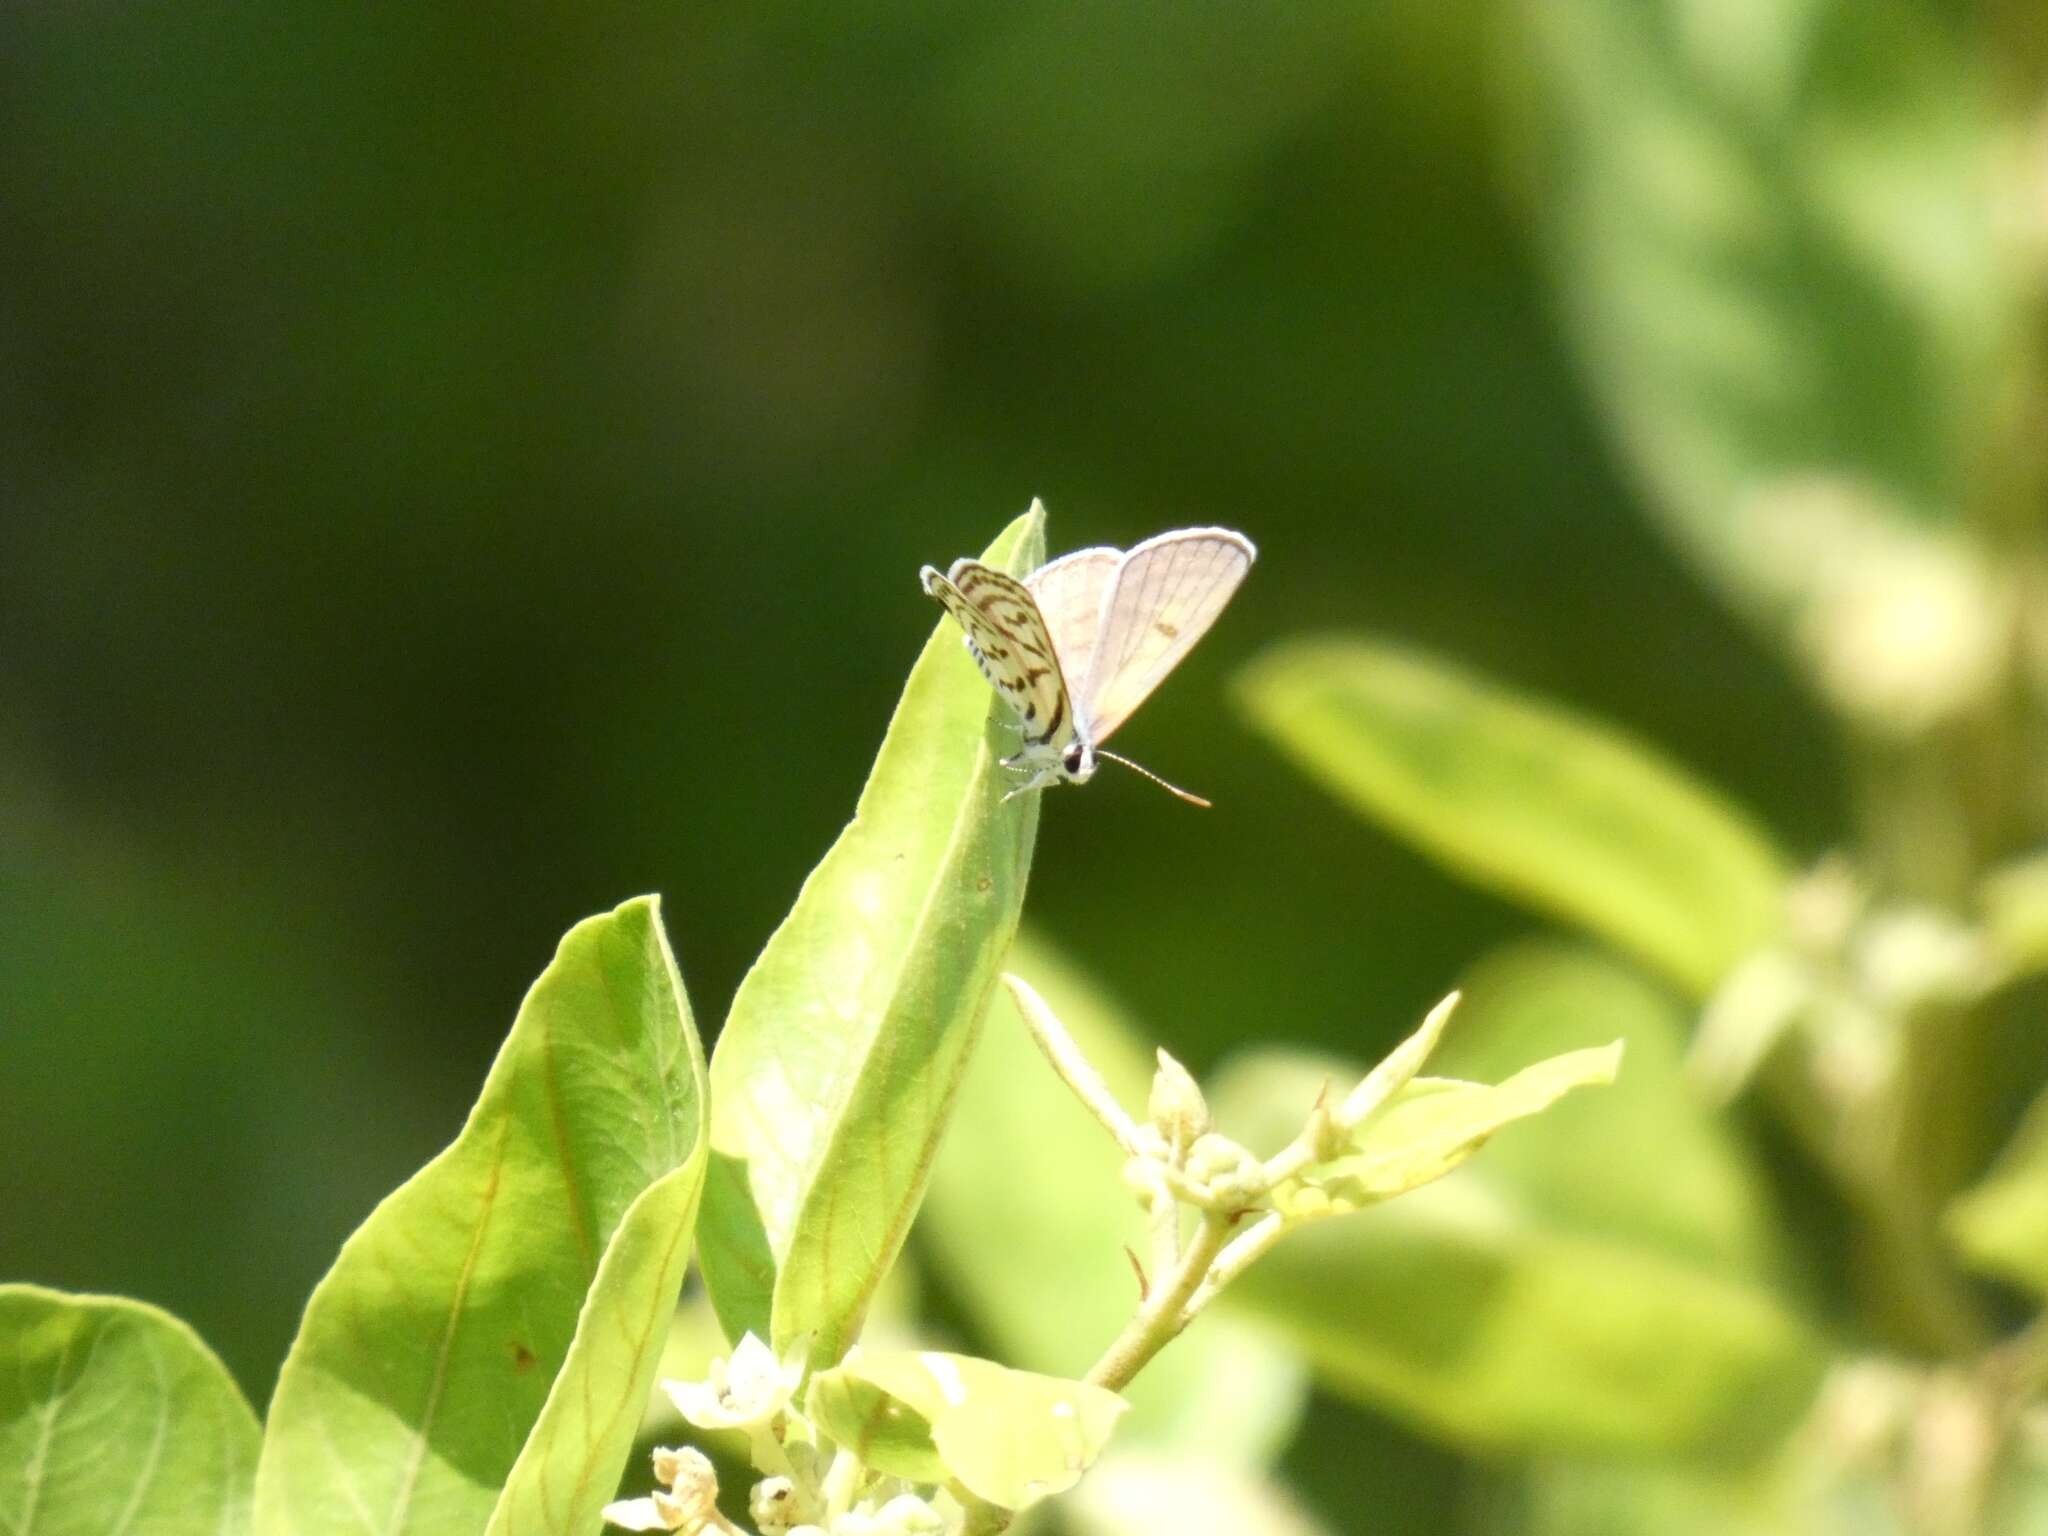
(1164, 1312)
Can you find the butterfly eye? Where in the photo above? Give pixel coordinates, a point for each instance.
(1076, 756)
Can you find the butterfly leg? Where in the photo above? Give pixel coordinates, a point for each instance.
(1044, 776)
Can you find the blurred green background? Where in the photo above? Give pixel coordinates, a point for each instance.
(459, 469)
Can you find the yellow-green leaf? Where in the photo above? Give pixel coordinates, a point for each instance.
(1009, 1437)
(115, 1417)
(835, 1074)
(494, 1326)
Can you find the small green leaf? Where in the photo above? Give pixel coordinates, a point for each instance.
(2001, 1224)
(881, 1429)
(836, 1071)
(1433, 1124)
(1598, 1280)
(1527, 799)
(500, 1315)
(115, 1417)
(1009, 1437)
(1027, 1203)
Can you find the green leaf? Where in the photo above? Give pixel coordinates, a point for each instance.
(115, 1417)
(1527, 799)
(1541, 1299)
(1010, 1437)
(1776, 230)
(836, 1071)
(2001, 1224)
(1027, 1202)
(497, 1320)
(1433, 1124)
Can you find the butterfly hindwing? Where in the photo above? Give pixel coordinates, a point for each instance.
(1069, 593)
(1165, 594)
(1010, 642)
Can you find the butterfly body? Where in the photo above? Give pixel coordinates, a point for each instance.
(1076, 646)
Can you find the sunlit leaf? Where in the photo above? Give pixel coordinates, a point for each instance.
(1010, 1437)
(1542, 805)
(1026, 1202)
(836, 1070)
(1776, 230)
(114, 1416)
(500, 1315)
(1519, 1303)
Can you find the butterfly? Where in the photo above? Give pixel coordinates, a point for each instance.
(1078, 644)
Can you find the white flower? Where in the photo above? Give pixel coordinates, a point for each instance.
(692, 1496)
(744, 1392)
(656, 1512)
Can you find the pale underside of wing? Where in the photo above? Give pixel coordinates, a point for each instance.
(1070, 592)
(1011, 644)
(1163, 597)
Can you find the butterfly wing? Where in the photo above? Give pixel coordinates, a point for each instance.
(1166, 593)
(1069, 593)
(1011, 644)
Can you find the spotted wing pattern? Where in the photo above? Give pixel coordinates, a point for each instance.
(1010, 643)
(1166, 593)
(1069, 593)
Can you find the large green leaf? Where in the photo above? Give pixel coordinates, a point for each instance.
(1526, 798)
(1026, 1203)
(838, 1065)
(1775, 228)
(114, 1417)
(1508, 1306)
(497, 1320)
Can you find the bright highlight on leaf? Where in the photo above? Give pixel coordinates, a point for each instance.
(1009, 1437)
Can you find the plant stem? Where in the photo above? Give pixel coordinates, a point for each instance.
(1163, 1313)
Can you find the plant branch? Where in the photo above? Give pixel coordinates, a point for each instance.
(1163, 1313)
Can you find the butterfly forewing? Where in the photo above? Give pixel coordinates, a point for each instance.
(1011, 644)
(1163, 597)
(1070, 593)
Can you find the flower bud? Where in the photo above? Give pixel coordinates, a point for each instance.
(1177, 1107)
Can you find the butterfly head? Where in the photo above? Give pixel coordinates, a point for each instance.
(1077, 763)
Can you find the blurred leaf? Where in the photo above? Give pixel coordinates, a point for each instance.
(1011, 1437)
(2001, 1224)
(1775, 230)
(1432, 1124)
(2013, 899)
(114, 1416)
(1139, 1495)
(1027, 1202)
(1561, 812)
(1511, 1306)
(543, 1250)
(836, 1070)
(1646, 1160)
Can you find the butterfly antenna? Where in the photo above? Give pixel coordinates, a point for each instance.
(1171, 789)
